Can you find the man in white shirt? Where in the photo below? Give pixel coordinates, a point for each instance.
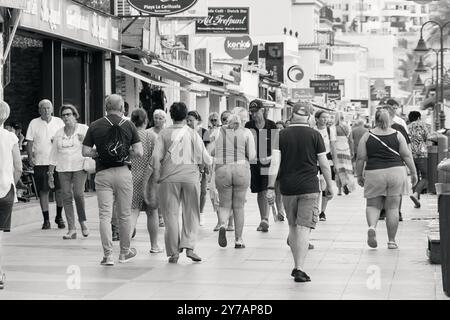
(329, 137)
(396, 118)
(40, 135)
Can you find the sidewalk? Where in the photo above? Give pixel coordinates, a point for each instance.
(40, 265)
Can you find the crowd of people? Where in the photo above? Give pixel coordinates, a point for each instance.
(290, 166)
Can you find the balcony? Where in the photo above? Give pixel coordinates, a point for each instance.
(325, 38)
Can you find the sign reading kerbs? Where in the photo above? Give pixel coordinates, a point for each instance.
(238, 47)
(162, 7)
(224, 21)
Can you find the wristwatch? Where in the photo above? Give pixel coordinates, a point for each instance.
(270, 188)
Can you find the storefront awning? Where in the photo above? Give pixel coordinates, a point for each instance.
(208, 77)
(131, 64)
(137, 75)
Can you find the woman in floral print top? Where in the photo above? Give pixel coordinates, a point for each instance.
(419, 133)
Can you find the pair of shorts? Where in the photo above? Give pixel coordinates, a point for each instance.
(259, 177)
(6, 206)
(41, 179)
(232, 182)
(302, 210)
(388, 182)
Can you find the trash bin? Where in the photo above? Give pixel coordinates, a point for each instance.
(443, 192)
(437, 151)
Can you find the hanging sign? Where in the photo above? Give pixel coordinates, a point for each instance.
(224, 21)
(295, 73)
(238, 47)
(162, 7)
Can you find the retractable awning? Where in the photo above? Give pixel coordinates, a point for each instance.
(144, 78)
(130, 64)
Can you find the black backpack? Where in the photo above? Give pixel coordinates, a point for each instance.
(115, 149)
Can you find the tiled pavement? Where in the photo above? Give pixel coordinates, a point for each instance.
(40, 265)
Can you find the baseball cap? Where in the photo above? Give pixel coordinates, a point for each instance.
(302, 108)
(255, 105)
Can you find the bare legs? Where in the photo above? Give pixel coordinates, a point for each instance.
(391, 205)
(299, 242)
(152, 226)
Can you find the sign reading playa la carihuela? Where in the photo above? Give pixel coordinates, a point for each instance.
(224, 21)
(162, 7)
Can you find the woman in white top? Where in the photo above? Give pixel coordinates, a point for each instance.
(68, 161)
(10, 171)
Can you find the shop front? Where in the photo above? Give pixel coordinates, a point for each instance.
(61, 52)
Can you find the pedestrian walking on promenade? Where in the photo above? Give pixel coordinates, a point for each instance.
(67, 160)
(179, 151)
(233, 149)
(159, 121)
(10, 172)
(329, 137)
(263, 130)
(344, 155)
(300, 149)
(391, 107)
(281, 214)
(358, 130)
(40, 135)
(396, 119)
(141, 171)
(213, 192)
(116, 140)
(384, 151)
(419, 135)
(193, 121)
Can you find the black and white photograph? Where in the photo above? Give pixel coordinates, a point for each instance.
(226, 156)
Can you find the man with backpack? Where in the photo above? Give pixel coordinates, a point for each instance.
(116, 140)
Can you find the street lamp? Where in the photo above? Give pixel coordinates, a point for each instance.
(422, 49)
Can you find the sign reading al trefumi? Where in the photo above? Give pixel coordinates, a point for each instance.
(162, 7)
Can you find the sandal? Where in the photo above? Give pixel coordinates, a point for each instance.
(156, 250)
(392, 245)
(239, 246)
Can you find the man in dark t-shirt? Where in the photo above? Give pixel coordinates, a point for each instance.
(300, 148)
(113, 181)
(265, 133)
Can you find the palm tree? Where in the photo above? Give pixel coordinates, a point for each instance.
(407, 72)
(441, 14)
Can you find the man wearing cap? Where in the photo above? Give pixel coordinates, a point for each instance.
(300, 148)
(265, 133)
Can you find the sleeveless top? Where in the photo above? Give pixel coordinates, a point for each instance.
(380, 157)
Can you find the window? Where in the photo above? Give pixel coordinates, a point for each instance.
(346, 7)
(376, 63)
(423, 9)
(344, 57)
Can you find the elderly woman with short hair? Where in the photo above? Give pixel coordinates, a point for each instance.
(67, 160)
(384, 151)
(234, 148)
(10, 172)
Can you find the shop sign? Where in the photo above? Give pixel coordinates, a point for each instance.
(15, 4)
(302, 94)
(364, 103)
(325, 86)
(224, 21)
(275, 60)
(377, 93)
(334, 95)
(162, 7)
(238, 47)
(295, 73)
(72, 22)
